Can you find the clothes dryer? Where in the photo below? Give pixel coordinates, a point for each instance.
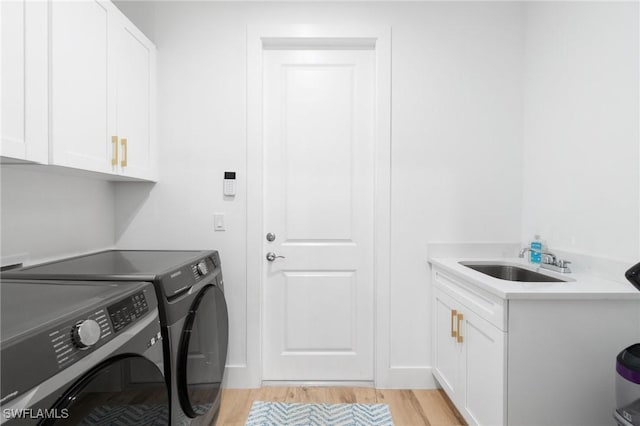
(193, 316)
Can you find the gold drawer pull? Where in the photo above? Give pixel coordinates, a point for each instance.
(114, 156)
(460, 338)
(454, 313)
(125, 154)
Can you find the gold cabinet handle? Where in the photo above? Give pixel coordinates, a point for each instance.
(114, 156)
(460, 338)
(125, 154)
(454, 314)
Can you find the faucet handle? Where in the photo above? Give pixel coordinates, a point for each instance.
(549, 258)
(562, 263)
(523, 251)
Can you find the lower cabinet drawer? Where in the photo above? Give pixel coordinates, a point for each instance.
(486, 305)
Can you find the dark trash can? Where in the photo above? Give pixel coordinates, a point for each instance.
(628, 386)
(627, 411)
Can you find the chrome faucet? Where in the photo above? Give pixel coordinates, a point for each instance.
(549, 261)
(554, 263)
(523, 251)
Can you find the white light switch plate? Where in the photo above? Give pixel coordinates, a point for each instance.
(218, 222)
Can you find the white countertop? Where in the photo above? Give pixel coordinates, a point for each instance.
(579, 286)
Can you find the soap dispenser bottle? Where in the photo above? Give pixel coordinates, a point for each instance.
(535, 254)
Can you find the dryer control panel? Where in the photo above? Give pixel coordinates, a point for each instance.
(202, 268)
(71, 340)
(76, 338)
(179, 281)
(127, 310)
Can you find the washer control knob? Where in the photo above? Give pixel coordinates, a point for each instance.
(85, 333)
(202, 268)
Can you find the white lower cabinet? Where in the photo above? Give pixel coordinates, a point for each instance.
(483, 370)
(468, 361)
(447, 352)
(535, 360)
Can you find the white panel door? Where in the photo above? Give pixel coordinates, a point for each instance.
(133, 58)
(318, 201)
(79, 60)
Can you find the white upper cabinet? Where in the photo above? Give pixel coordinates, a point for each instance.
(134, 61)
(79, 85)
(102, 91)
(24, 125)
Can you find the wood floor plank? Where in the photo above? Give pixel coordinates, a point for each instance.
(235, 406)
(311, 395)
(404, 406)
(274, 393)
(332, 395)
(437, 408)
(365, 395)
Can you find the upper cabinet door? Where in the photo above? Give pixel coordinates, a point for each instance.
(24, 80)
(80, 85)
(134, 57)
(13, 143)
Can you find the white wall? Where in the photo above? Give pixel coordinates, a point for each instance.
(456, 142)
(581, 127)
(48, 215)
(507, 119)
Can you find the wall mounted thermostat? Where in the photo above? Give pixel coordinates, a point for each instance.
(229, 183)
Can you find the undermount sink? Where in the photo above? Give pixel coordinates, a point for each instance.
(511, 273)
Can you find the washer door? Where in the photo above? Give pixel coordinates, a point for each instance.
(107, 395)
(202, 353)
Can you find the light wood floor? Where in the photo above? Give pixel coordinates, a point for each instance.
(408, 407)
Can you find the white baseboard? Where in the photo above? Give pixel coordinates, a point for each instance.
(241, 377)
(298, 383)
(409, 378)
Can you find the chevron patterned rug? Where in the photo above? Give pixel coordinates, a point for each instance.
(134, 414)
(297, 414)
(107, 415)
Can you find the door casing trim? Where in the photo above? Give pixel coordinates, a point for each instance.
(334, 37)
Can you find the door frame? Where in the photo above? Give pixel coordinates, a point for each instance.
(331, 36)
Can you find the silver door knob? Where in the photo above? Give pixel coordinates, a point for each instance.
(271, 256)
